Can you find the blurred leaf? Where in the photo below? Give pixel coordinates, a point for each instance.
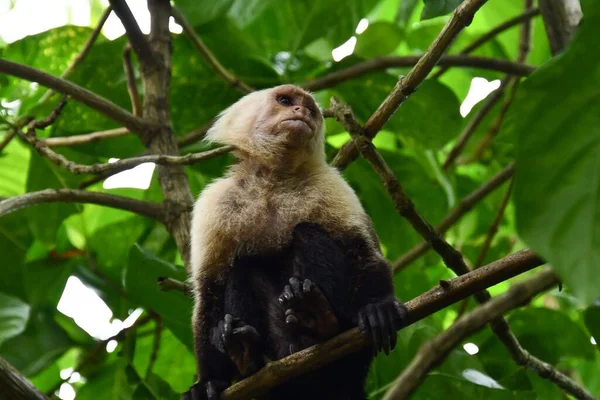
(592, 319)
(380, 39)
(38, 346)
(143, 270)
(435, 8)
(201, 12)
(14, 315)
(14, 165)
(557, 184)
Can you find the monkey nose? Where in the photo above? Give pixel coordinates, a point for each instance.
(297, 108)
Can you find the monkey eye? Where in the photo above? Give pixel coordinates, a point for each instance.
(312, 112)
(284, 100)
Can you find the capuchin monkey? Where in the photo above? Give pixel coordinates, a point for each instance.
(284, 256)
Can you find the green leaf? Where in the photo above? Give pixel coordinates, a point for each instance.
(201, 12)
(13, 180)
(435, 8)
(380, 39)
(143, 270)
(592, 319)
(38, 346)
(112, 383)
(14, 315)
(557, 184)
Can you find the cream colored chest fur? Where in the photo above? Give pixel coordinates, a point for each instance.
(253, 216)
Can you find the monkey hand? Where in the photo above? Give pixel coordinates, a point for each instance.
(380, 321)
(210, 390)
(308, 310)
(241, 342)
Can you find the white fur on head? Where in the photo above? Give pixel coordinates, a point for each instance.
(239, 126)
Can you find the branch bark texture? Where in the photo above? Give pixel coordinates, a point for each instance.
(15, 386)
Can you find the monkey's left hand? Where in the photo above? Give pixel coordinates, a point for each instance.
(241, 342)
(380, 321)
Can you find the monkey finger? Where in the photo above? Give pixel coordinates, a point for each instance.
(375, 328)
(296, 288)
(228, 326)
(393, 331)
(384, 327)
(363, 323)
(247, 332)
(291, 318)
(308, 286)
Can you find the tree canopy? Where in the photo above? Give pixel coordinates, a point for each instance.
(512, 185)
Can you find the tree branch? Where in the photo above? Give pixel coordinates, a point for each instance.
(474, 122)
(83, 53)
(132, 89)
(208, 55)
(144, 208)
(382, 63)
(464, 206)
(561, 18)
(172, 178)
(462, 16)
(80, 94)
(435, 351)
(76, 140)
(15, 386)
(492, 33)
(134, 34)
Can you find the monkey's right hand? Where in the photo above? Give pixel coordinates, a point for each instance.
(210, 390)
(241, 342)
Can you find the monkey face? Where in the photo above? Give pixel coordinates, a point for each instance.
(283, 122)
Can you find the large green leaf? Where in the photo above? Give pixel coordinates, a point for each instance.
(14, 315)
(14, 165)
(592, 319)
(557, 187)
(143, 270)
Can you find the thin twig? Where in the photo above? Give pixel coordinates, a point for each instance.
(134, 33)
(492, 33)
(463, 206)
(194, 136)
(435, 351)
(145, 208)
(383, 63)
(132, 89)
(474, 123)
(155, 345)
(207, 54)
(507, 82)
(65, 141)
(168, 284)
(493, 229)
(78, 93)
(462, 16)
(280, 371)
(83, 53)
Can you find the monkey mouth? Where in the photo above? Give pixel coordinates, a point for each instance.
(300, 123)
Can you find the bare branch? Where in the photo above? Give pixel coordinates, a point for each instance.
(7, 139)
(277, 372)
(464, 206)
(15, 386)
(462, 16)
(76, 140)
(134, 34)
(168, 284)
(208, 55)
(132, 89)
(507, 82)
(144, 208)
(171, 178)
(561, 18)
(474, 123)
(80, 94)
(526, 16)
(83, 53)
(433, 352)
(382, 63)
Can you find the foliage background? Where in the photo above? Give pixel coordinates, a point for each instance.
(552, 130)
